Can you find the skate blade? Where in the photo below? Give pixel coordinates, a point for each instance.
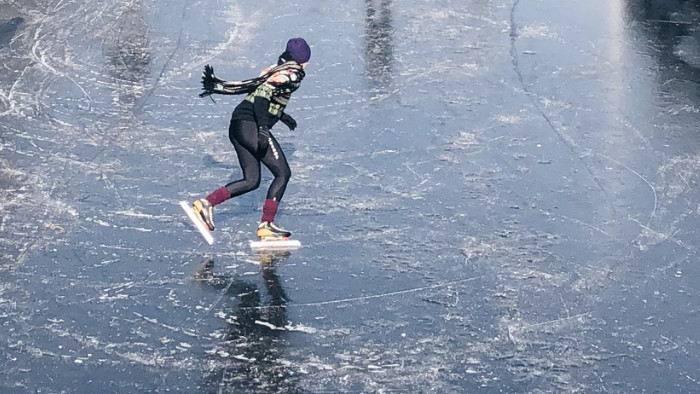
(275, 244)
(198, 224)
(273, 238)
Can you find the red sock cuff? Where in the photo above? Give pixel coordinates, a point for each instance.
(218, 196)
(269, 210)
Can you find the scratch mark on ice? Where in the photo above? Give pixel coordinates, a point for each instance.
(653, 211)
(370, 297)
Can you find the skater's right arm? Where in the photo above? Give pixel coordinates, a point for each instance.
(289, 121)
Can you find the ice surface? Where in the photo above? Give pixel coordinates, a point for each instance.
(494, 196)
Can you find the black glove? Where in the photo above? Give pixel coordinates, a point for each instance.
(209, 81)
(263, 139)
(289, 121)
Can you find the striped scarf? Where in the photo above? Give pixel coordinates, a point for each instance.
(211, 84)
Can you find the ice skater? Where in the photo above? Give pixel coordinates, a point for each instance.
(249, 132)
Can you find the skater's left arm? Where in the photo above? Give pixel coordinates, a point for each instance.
(261, 106)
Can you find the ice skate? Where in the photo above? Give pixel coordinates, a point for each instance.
(270, 231)
(204, 211)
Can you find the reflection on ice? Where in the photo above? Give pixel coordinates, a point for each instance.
(379, 52)
(126, 53)
(251, 352)
(8, 29)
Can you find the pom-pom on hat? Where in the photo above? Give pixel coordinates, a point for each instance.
(299, 50)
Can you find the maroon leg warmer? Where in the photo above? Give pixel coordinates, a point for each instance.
(218, 196)
(269, 210)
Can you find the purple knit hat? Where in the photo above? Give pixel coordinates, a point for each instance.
(299, 50)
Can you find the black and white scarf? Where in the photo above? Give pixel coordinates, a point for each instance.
(211, 84)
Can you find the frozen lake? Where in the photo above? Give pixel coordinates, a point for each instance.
(492, 196)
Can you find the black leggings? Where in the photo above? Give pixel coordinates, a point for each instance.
(244, 137)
